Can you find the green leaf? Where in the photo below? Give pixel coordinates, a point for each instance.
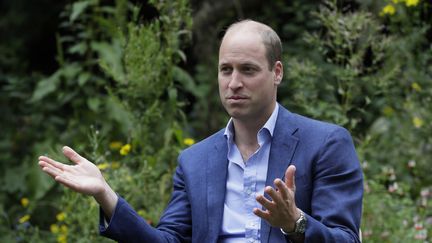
(117, 112)
(38, 183)
(186, 81)
(79, 48)
(14, 180)
(78, 8)
(380, 126)
(46, 86)
(83, 78)
(70, 71)
(110, 58)
(94, 103)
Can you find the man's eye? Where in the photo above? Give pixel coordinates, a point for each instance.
(248, 70)
(225, 69)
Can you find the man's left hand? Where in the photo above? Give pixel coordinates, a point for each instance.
(281, 211)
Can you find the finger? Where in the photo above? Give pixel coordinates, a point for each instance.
(282, 189)
(290, 177)
(265, 202)
(262, 214)
(44, 164)
(52, 162)
(275, 196)
(51, 171)
(72, 155)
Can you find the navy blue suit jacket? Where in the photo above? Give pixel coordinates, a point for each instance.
(329, 187)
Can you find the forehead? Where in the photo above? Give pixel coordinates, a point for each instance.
(242, 46)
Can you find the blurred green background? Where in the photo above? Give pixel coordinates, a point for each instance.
(129, 84)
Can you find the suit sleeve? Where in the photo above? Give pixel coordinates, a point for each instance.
(175, 225)
(336, 204)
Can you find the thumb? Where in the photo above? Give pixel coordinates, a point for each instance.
(72, 155)
(290, 177)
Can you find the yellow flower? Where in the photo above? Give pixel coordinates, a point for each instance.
(54, 228)
(388, 111)
(125, 149)
(61, 216)
(115, 145)
(417, 121)
(24, 219)
(141, 213)
(64, 229)
(188, 141)
(389, 9)
(61, 239)
(412, 3)
(24, 202)
(115, 165)
(103, 166)
(415, 86)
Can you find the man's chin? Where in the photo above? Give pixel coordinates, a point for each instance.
(240, 115)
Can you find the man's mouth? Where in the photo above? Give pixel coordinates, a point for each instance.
(237, 97)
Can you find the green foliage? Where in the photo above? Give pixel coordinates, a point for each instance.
(348, 74)
(140, 59)
(393, 215)
(115, 81)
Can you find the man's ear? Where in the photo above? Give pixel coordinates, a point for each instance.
(278, 72)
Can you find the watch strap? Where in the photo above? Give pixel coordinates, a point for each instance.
(300, 225)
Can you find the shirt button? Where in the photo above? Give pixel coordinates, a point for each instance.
(252, 224)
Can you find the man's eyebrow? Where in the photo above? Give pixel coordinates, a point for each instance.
(225, 64)
(249, 64)
(246, 63)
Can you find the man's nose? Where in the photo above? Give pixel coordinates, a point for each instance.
(236, 81)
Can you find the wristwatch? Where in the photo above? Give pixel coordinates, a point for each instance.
(300, 225)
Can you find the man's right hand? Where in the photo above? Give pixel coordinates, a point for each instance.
(83, 177)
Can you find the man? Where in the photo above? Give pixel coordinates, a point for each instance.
(269, 176)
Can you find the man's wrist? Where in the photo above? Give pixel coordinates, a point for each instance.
(107, 200)
(299, 226)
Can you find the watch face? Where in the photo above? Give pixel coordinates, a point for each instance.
(301, 224)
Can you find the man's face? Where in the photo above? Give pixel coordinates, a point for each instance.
(247, 87)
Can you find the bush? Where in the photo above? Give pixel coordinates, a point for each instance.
(116, 83)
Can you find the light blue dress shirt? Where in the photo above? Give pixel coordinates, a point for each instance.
(246, 179)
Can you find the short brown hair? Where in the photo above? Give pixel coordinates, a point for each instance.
(270, 39)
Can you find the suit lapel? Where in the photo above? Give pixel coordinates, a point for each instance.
(217, 167)
(282, 151)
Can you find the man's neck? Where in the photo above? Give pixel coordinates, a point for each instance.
(245, 134)
(245, 137)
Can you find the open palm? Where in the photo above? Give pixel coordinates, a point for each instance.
(83, 177)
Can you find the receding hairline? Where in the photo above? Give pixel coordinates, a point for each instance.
(269, 38)
(248, 23)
